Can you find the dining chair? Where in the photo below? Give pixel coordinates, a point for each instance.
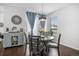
(34, 45)
(55, 45)
(25, 36)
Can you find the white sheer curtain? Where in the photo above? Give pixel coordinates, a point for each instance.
(36, 25)
(28, 26)
(46, 25)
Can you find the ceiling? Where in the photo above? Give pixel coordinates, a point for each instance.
(37, 7)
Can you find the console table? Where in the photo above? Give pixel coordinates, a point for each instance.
(13, 39)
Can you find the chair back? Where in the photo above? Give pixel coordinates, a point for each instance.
(59, 39)
(34, 42)
(56, 46)
(25, 42)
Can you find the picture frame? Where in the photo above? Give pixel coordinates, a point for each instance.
(1, 24)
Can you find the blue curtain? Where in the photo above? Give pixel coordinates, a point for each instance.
(31, 18)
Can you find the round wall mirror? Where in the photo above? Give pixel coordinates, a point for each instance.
(16, 19)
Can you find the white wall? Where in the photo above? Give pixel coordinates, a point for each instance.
(69, 25)
(1, 19)
(6, 12)
(11, 11)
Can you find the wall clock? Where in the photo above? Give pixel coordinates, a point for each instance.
(16, 19)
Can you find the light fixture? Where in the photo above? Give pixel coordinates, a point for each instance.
(42, 18)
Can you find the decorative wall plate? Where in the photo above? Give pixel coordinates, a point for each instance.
(16, 19)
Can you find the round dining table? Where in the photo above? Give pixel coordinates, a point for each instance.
(47, 38)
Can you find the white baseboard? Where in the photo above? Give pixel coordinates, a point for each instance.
(70, 47)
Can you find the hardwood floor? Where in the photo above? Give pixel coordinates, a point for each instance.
(13, 51)
(20, 51)
(66, 51)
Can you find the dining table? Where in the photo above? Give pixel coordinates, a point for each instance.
(47, 38)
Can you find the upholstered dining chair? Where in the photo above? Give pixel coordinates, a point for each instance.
(55, 45)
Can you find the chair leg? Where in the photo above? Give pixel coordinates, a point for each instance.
(58, 52)
(47, 50)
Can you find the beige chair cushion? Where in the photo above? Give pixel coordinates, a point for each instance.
(50, 44)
